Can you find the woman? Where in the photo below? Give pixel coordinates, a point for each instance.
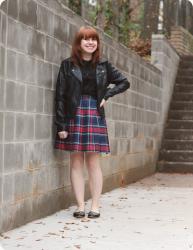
(81, 92)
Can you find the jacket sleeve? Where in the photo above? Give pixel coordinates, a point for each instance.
(115, 77)
(60, 101)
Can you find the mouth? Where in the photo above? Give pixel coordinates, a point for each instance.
(90, 47)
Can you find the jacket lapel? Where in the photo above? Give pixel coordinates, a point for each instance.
(77, 73)
(100, 73)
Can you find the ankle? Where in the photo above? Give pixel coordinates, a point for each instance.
(80, 207)
(95, 208)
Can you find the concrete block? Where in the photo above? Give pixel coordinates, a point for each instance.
(1, 197)
(2, 61)
(34, 100)
(7, 222)
(48, 203)
(3, 28)
(113, 146)
(15, 96)
(26, 69)
(13, 157)
(42, 127)
(108, 110)
(28, 12)
(72, 31)
(120, 112)
(9, 126)
(121, 61)
(13, 8)
(1, 126)
(111, 128)
(24, 127)
(135, 69)
(23, 185)
(41, 181)
(56, 177)
(123, 146)
(53, 50)
(55, 70)
(49, 153)
(45, 20)
(22, 212)
(8, 187)
(49, 101)
(16, 32)
(2, 94)
(44, 74)
(34, 155)
(61, 29)
(137, 145)
(11, 65)
(37, 45)
(123, 130)
(1, 158)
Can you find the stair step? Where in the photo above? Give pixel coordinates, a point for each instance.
(176, 155)
(186, 58)
(186, 71)
(183, 88)
(184, 79)
(180, 115)
(177, 144)
(179, 134)
(185, 106)
(179, 124)
(182, 96)
(175, 167)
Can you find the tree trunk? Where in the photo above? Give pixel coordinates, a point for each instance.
(151, 13)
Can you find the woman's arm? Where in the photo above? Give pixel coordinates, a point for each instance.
(115, 77)
(60, 120)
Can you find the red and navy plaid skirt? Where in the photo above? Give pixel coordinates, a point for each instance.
(87, 132)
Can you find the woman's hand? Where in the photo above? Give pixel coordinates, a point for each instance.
(102, 103)
(63, 134)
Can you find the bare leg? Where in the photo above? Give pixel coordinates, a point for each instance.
(95, 178)
(77, 177)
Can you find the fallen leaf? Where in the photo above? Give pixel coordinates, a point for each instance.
(51, 233)
(78, 246)
(21, 238)
(85, 220)
(71, 223)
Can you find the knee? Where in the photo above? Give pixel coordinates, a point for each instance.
(77, 161)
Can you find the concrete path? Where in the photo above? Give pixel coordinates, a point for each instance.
(155, 213)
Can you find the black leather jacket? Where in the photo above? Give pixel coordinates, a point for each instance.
(68, 88)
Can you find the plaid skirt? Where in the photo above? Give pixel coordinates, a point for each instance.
(87, 132)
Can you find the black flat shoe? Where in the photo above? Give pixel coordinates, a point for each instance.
(93, 214)
(79, 214)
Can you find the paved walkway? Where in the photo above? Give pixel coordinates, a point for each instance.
(155, 213)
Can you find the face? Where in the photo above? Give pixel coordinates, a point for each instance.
(88, 45)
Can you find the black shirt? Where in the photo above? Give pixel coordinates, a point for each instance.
(89, 85)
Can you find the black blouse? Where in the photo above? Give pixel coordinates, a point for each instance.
(89, 85)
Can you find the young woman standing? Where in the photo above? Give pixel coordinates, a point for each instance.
(81, 92)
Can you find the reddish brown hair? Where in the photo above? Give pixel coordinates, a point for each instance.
(85, 32)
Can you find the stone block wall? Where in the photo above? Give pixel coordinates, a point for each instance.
(166, 58)
(34, 178)
(182, 40)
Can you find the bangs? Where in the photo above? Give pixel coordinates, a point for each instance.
(86, 33)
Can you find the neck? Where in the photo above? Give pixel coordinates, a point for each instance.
(86, 57)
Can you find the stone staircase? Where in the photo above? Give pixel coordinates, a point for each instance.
(176, 154)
